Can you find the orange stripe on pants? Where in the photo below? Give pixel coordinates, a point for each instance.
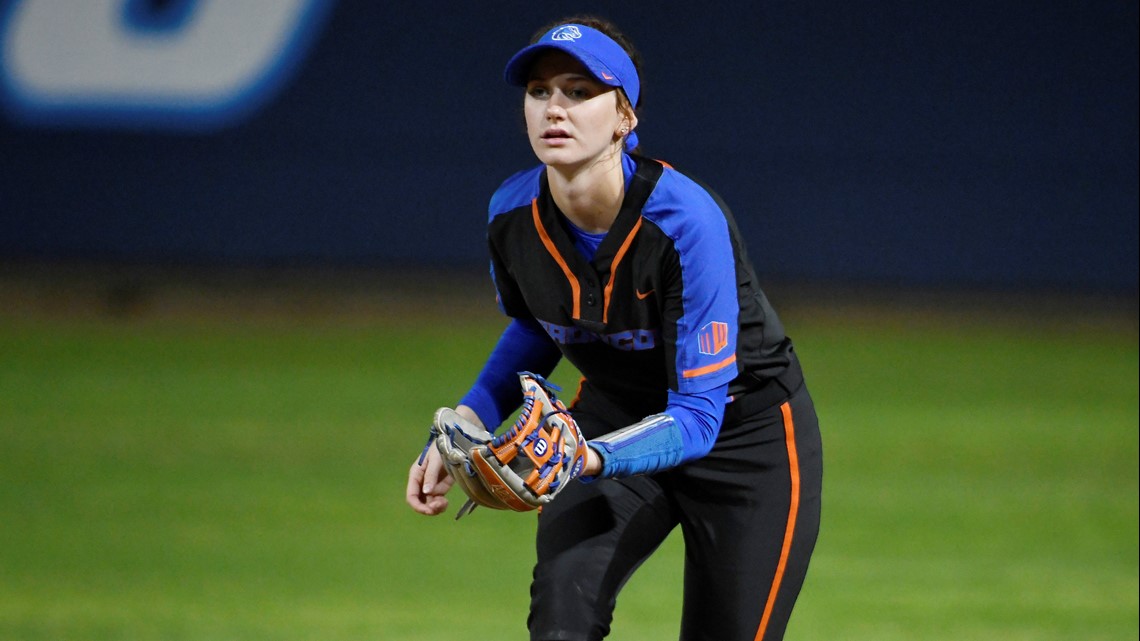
(793, 510)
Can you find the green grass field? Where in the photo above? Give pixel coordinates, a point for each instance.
(241, 477)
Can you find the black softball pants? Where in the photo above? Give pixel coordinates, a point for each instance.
(749, 512)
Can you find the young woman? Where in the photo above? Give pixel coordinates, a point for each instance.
(692, 397)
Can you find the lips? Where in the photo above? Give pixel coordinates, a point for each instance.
(555, 134)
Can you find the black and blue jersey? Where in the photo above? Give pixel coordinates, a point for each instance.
(669, 300)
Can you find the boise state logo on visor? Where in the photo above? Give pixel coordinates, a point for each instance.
(566, 32)
(600, 54)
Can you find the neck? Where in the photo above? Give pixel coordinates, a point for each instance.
(590, 196)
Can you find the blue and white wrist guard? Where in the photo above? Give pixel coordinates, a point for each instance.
(650, 445)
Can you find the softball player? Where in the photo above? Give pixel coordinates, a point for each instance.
(692, 396)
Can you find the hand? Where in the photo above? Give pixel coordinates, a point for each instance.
(428, 482)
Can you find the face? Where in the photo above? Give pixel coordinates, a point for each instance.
(572, 119)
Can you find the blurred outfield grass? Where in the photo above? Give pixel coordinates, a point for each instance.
(218, 471)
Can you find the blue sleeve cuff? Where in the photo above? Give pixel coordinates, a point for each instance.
(699, 417)
(480, 400)
(648, 446)
(685, 431)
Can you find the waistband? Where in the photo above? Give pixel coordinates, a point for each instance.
(770, 393)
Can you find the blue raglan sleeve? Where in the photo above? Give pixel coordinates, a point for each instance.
(523, 346)
(701, 307)
(701, 317)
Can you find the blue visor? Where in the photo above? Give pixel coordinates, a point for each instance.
(604, 58)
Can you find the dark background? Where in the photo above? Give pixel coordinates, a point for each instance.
(978, 144)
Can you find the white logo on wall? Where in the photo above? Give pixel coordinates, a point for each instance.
(183, 64)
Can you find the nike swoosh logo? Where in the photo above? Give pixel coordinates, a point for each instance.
(606, 76)
(641, 296)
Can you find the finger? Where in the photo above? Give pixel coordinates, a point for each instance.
(433, 473)
(415, 495)
(436, 504)
(415, 483)
(443, 484)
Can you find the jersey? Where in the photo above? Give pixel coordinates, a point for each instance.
(669, 300)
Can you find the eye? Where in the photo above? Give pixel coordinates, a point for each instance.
(537, 91)
(579, 93)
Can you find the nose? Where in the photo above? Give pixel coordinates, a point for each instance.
(556, 106)
(555, 112)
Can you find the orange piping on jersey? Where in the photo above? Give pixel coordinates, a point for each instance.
(575, 289)
(689, 373)
(578, 393)
(663, 163)
(793, 511)
(613, 267)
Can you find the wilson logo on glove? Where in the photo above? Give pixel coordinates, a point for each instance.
(521, 469)
(540, 447)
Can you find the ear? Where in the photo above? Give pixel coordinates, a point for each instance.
(627, 123)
